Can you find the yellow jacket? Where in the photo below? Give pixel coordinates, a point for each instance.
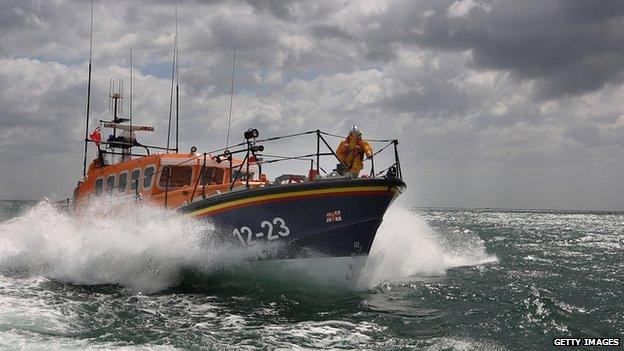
(351, 152)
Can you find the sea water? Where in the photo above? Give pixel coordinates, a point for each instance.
(141, 277)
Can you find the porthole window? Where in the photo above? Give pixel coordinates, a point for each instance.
(110, 182)
(123, 180)
(99, 183)
(136, 174)
(147, 177)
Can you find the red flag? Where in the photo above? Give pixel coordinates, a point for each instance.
(96, 136)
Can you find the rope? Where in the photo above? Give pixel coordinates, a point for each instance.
(264, 140)
(333, 135)
(287, 136)
(383, 148)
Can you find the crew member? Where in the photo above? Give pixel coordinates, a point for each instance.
(351, 151)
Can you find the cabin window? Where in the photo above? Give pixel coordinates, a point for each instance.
(180, 176)
(110, 182)
(212, 175)
(123, 180)
(147, 177)
(136, 174)
(99, 183)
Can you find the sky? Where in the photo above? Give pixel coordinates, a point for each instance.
(502, 103)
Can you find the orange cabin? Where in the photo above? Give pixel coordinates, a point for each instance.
(169, 179)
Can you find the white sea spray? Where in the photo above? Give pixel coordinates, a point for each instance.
(135, 245)
(406, 246)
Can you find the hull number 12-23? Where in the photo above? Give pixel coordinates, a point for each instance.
(275, 229)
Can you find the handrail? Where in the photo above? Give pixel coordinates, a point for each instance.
(129, 144)
(383, 148)
(318, 133)
(385, 169)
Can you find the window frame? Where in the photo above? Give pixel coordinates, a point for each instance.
(162, 174)
(131, 180)
(152, 176)
(221, 181)
(95, 187)
(125, 188)
(114, 176)
(242, 172)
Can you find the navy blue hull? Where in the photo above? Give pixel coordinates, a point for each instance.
(331, 218)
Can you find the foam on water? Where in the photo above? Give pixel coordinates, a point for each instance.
(406, 246)
(136, 245)
(146, 248)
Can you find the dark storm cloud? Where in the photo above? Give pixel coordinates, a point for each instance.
(568, 47)
(565, 46)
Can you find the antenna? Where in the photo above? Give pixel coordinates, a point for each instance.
(110, 101)
(177, 74)
(227, 140)
(86, 140)
(174, 77)
(131, 141)
(121, 93)
(171, 96)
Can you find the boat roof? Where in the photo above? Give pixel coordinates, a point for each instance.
(192, 159)
(185, 159)
(188, 160)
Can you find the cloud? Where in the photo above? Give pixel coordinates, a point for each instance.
(479, 92)
(462, 8)
(566, 47)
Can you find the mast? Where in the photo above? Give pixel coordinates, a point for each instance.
(227, 140)
(86, 139)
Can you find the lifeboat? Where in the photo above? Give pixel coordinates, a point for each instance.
(320, 216)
